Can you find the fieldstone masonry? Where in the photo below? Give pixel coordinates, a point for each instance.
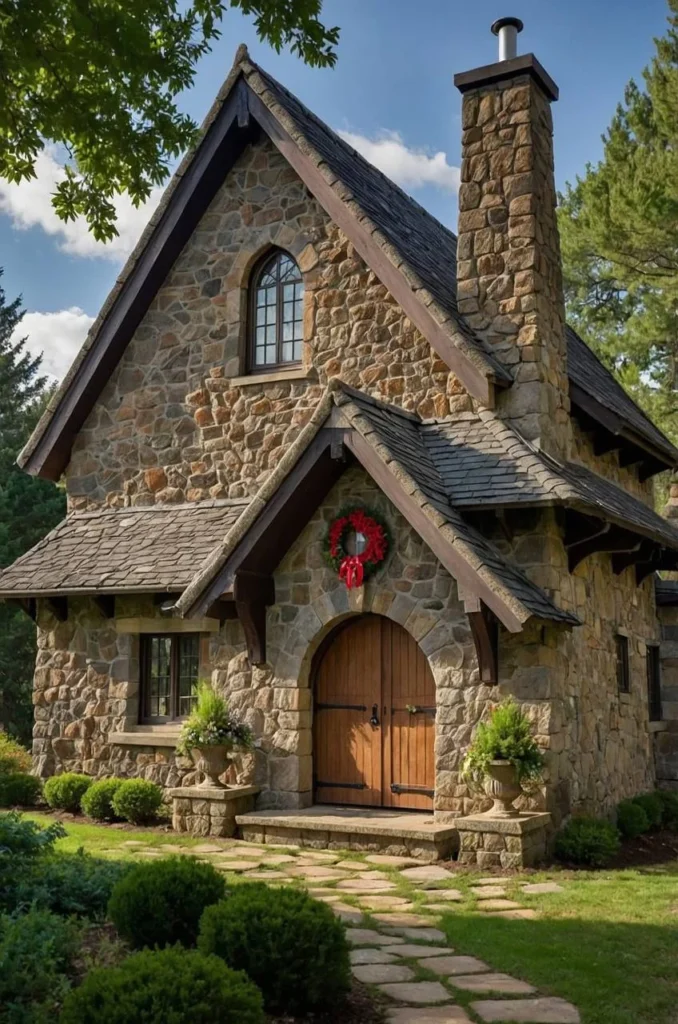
(507, 843)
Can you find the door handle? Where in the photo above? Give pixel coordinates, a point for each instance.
(374, 720)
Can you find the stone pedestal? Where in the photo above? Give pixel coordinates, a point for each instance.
(504, 842)
(210, 811)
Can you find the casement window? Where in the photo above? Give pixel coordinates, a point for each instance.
(276, 314)
(169, 675)
(623, 676)
(654, 679)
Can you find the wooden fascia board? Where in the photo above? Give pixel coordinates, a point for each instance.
(616, 425)
(476, 382)
(455, 564)
(217, 152)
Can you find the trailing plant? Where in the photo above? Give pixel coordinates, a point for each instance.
(632, 820)
(64, 883)
(137, 801)
(64, 792)
(292, 946)
(507, 736)
(160, 904)
(211, 724)
(18, 789)
(178, 986)
(97, 801)
(590, 841)
(37, 950)
(13, 757)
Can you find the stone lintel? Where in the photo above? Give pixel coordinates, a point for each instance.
(144, 738)
(167, 625)
(505, 826)
(505, 70)
(212, 792)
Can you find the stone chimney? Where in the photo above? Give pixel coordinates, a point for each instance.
(508, 260)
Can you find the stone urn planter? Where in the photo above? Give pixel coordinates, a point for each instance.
(501, 783)
(212, 761)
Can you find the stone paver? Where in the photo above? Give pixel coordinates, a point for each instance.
(456, 965)
(428, 1015)
(426, 873)
(316, 872)
(368, 937)
(498, 905)
(267, 876)
(443, 894)
(211, 848)
(495, 880)
(385, 902)
(372, 956)
(527, 1011)
(353, 865)
(397, 920)
(319, 855)
(422, 934)
(515, 915)
(139, 842)
(417, 992)
(379, 974)
(486, 892)
(366, 884)
(281, 858)
(441, 908)
(390, 860)
(237, 865)
(493, 982)
(412, 950)
(542, 887)
(325, 897)
(349, 915)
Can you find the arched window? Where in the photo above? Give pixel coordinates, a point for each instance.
(276, 313)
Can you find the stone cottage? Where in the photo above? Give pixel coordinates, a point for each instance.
(294, 337)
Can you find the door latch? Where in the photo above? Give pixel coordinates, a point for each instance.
(374, 720)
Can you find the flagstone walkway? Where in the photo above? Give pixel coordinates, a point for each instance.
(392, 906)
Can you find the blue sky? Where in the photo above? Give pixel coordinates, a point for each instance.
(391, 91)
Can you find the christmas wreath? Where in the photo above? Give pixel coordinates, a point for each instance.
(357, 565)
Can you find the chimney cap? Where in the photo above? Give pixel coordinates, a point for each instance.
(501, 23)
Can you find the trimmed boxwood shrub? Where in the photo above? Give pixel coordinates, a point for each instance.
(590, 841)
(18, 789)
(653, 807)
(632, 820)
(669, 801)
(137, 800)
(65, 883)
(97, 800)
(160, 904)
(37, 950)
(292, 946)
(64, 792)
(169, 986)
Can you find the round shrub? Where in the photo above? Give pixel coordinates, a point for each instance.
(632, 820)
(590, 841)
(137, 800)
(17, 789)
(158, 986)
(669, 801)
(290, 945)
(97, 801)
(64, 792)
(160, 904)
(653, 807)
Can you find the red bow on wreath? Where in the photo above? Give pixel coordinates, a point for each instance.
(352, 567)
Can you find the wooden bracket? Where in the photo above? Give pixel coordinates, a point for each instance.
(58, 607)
(221, 610)
(485, 630)
(28, 605)
(106, 604)
(253, 593)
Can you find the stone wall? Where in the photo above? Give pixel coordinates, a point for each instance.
(170, 426)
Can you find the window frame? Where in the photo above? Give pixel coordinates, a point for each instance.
(146, 642)
(251, 340)
(654, 683)
(623, 663)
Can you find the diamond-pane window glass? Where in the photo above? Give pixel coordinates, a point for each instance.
(277, 313)
(170, 666)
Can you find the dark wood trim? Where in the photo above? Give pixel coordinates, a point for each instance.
(28, 606)
(106, 604)
(221, 610)
(475, 381)
(455, 564)
(253, 594)
(641, 552)
(223, 143)
(609, 539)
(485, 632)
(145, 717)
(58, 607)
(618, 435)
(623, 666)
(251, 326)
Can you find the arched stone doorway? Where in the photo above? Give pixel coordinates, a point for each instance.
(374, 717)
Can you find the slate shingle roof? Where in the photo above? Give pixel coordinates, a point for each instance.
(154, 548)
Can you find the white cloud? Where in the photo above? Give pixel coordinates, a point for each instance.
(409, 168)
(29, 204)
(57, 336)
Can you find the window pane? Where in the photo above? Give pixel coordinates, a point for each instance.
(288, 352)
(159, 662)
(188, 665)
(654, 694)
(623, 680)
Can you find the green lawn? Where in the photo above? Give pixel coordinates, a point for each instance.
(608, 943)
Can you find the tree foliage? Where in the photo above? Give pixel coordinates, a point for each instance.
(29, 508)
(100, 78)
(619, 235)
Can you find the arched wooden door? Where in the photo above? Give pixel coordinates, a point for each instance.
(374, 718)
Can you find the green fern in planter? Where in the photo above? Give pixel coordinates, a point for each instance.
(211, 724)
(507, 736)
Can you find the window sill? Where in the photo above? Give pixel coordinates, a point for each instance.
(146, 736)
(660, 726)
(274, 377)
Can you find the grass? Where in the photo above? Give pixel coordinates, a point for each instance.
(99, 838)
